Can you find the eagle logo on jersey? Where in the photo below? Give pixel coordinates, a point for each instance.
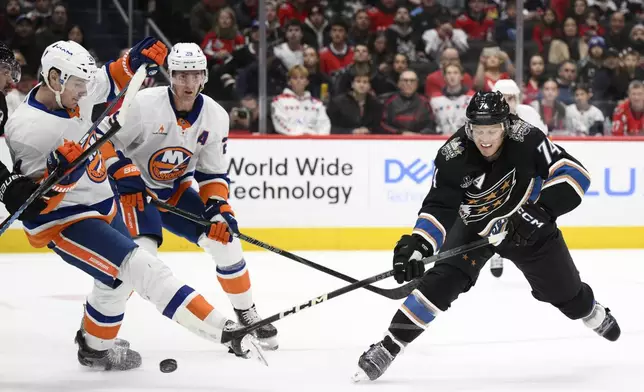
(452, 149)
(477, 206)
(169, 163)
(96, 170)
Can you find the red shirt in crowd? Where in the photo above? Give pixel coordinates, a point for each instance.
(435, 83)
(331, 61)
(626, 122)
(540, 32)
(288, 11)
(530, 92)
(474, 29)
(379, 19)
(211, 45)
(488, 85)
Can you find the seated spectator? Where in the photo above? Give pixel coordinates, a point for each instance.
(356, 112)
(475, 21)
(582, 118)
(219, 44)
(426, 16)
(550, 108)
(603, 8)
(338, 55)
(400, 65)
(536, 77)
(54, 30)
(41, 13)
(436, 80)
(291, 52)
(316, 29)
(12, 11)
(490, 69)
(633, 10)
(567, 75)
(628, 119)
(569, 46)
(15, 97)
(589, 65)
(505, 28)
(591, 25)
(246, 12)
(320, 84)
(610, 84)
(274, 32)
(579, 11)
(637, 38)
(24, 40)
(631, 60)
(295, 112)
(203, 17)
(444, 36)
(449, 106)
(382, 14)
(362, 64)
(77, 34)
(406, 112)
(402, 38)
(276, 74)
(617, 34)
(360, 31)
(547, 30)
(380, 57)
(292, 9)
(245, 117)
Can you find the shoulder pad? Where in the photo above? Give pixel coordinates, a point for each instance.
(519, 129)
(452, 148)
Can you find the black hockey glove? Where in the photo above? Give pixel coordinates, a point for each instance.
(408, 253)
(15, 189)
(528, 224)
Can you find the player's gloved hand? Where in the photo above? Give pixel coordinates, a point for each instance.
(528, 224)
(62, 157)
(147, 51)
(129, 183)
(221, 214)
(15, 189)
(408, 253)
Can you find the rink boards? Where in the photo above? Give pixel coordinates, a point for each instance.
(359, 193)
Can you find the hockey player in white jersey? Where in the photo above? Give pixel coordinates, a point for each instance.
(512, 95)
(81, 222)
(172, 136)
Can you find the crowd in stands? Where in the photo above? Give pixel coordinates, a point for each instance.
(393, 66)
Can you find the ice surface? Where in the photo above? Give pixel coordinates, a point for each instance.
(494, 338)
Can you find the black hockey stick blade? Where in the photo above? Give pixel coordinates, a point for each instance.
(238, 333)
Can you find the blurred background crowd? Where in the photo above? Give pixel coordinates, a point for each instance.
(372, 66)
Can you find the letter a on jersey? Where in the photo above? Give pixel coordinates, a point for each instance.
(478, 181)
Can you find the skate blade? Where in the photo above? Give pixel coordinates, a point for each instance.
(255, 351)
(269, 344)
(359, 376)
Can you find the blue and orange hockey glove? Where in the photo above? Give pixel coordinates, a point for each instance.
(224, 223)
(129, 184)
(147, 51)
(62, 157)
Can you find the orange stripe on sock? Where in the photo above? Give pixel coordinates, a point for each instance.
(200, 307)
(238, 285)
(106, 333)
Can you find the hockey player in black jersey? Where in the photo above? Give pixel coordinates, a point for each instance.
(496, 173)
(15, 188)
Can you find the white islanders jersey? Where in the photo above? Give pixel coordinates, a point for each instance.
(171, 150)
(528, 114)
(33, 132)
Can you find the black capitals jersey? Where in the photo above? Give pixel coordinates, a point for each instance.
(484, 194)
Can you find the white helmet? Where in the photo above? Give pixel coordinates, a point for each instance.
(188, 56)
(507, 87)
(71, 59)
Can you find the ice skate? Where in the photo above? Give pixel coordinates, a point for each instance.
(267, 335)
(119, 357)
(496, 265)
(247, 347)
(373, 363)
(602, 321)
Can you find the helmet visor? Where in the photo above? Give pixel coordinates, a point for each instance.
(11, 69)
(188, 78)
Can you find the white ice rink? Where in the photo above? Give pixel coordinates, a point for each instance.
(494, 338)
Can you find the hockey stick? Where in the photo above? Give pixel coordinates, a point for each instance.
(238, 333)
(129, 91)
(396, 293)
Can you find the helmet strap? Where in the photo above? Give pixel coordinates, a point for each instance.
(57, 94)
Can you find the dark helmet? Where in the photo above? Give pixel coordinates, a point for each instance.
(487, 108)
(8, 60)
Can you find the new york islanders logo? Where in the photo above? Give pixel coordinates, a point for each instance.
(96, 170)
(169, 163)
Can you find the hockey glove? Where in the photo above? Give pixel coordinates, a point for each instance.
(528, 224)
(15, 189)
(408, 253)
(63, 157)
(128, 181)
(147, 51)
(224, 222)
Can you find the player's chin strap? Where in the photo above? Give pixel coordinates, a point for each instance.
(57, 94)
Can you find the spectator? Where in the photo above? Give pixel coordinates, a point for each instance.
(589, 65)
(382, 14)
(76, 34)
(546, 31)
(54, 30)
(426, 17)
(632, 67)
(617, 35)
(274, 32)
(203, 17)
(295, 112)
(219, 44)
(338, 55)
(320, 84)
(569, 46)
(41, 13)
(565, 81)
(603, 8)
(637, 38)
(591, 24)
(245, 117)
(579, 12)
(550, 108)
(357, 111)
(610, 84)
(443, 37)
(633, 10)
(292, 9)
(559, 6)
(401, 37)
(400, 64)
(436, 80)
(316, 29)
(582, 118)
(246, 11)
(360, 31)
(362, 64)
(475, 22)
(276, 74)
(489, 69)
(17, 95)
(505, 29)
(449, 105)
(12, 11)
(379, 55)
(628, 119)
(291, 52)
(406, 112)
(536, 77)
(24, 40)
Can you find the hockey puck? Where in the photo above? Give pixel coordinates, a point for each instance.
(168, 365)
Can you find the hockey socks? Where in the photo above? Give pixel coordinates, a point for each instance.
(410, 321)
